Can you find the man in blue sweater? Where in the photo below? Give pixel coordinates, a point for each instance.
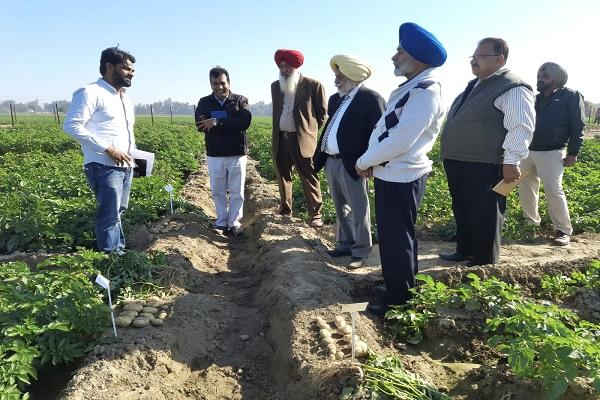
(560, 120)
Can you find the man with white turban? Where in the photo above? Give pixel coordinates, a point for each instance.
(354, 111)
(560, 120)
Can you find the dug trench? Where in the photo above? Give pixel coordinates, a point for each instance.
(243, 311)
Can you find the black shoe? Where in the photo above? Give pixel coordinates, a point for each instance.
(453, 257)
(335, 253)
(380, 291)
(378, 310)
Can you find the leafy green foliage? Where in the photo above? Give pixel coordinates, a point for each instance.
(48, 316)
(386, 378)
(560, 286)
(541, 341)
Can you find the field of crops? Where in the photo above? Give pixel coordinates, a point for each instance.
(51, 313)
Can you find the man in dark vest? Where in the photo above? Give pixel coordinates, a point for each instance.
(487, 133)
(560, 120)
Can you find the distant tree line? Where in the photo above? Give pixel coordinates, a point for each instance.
(159, 107)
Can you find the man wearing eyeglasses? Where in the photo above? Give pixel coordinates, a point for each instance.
(487, 133)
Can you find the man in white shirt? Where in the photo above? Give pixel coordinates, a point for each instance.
(101, 119)
(486, 135)
(397, 158)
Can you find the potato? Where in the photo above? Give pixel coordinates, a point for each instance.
(339, 355)
(157, 322)
(123, 321)
(345, 330)
(325, 333)
(162, 315)
(141, 322)
(340, 322)
(151, 310)
(146, 315)
(130, 314)
(361, 352)
(332, 348)
(323, 325)
(348, 338)
(154, 304)
(327, 341)
(133, 307)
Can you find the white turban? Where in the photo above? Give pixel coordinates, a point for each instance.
(351, 67)
(556, 72)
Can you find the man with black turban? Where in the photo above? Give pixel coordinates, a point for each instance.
(560, 120)
(299, 111)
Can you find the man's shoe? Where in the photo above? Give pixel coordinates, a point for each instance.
(561, 239)
(221, 230)
(457, 257)
(356, 262)
(236, 231)
(335, 253)
(380, 291)
(316, 223)
(378, 310)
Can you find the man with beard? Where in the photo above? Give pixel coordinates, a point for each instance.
(101, 119)
(299, 111)
(224, 117)
(397, 157)
(485, 137)
(560, 120)
(354, 112)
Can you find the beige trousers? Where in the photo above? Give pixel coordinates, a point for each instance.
(546, 166)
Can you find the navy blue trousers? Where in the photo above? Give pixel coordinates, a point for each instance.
(478, 210)
(396, 205)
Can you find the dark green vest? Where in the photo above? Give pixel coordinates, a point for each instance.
(474, 131)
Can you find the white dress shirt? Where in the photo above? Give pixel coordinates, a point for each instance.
(332, 143)
(100, 117)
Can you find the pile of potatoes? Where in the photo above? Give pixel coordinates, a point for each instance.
(140, 313)
(334, 340)
(166, 227)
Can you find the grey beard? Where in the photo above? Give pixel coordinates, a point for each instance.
(398, 71)
(288, 84)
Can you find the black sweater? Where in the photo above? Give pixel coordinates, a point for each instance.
(228, 138)
(560, 119)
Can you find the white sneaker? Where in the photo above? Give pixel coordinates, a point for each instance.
(561, 239)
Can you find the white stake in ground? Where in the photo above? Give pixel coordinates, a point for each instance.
(169, 188)
(353, 309)
(105, 283)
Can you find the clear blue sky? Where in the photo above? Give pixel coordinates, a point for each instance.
(50, 48)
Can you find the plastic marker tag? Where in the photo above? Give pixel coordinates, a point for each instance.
(169, 188)
(354, 307)
(102, 281)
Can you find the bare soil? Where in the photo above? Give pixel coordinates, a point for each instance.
(244, 310)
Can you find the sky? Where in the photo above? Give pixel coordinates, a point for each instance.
(51, 48)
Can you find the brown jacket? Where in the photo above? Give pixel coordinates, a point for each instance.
(310, 113)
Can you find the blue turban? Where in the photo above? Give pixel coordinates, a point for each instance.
(422, 45)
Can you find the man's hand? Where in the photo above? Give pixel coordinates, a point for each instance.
(510, 173)
(569, 160)
(367, 173)
(120, 158)
(206, 124)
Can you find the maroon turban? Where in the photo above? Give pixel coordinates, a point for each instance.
(293, 58)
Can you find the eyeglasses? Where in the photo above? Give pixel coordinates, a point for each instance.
(478, 56)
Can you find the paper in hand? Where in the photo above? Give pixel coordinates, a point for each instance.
(144, 162)
(504, 188)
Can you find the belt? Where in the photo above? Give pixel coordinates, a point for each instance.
(336, 156)
(287, 135)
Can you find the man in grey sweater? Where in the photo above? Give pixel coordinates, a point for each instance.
(487, 133)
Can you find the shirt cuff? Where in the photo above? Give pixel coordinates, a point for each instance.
(360, 164)
(512, 158)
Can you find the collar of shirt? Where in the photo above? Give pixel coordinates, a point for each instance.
(501, 70)
(107, 86)
(224, 100)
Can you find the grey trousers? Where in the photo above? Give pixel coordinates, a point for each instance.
(351, 202)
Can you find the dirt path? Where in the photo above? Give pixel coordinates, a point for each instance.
(243, 311)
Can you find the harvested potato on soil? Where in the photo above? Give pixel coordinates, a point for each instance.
(141, 322)
(133, 307)
(325, 333)
(123, 321)
(130, 314)
(151, 310)
(340, 322)
(157, 322)
(327, 341)
(146, 315)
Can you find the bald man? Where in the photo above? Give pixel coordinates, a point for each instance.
(560, 120)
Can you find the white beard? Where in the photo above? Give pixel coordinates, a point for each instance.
(288, 84)
(347, 88)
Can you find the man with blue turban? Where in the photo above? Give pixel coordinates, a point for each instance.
(397, 158)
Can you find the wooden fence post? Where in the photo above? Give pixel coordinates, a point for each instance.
(12, 120)
(57, 114)
(151, 114)
(171, 112)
